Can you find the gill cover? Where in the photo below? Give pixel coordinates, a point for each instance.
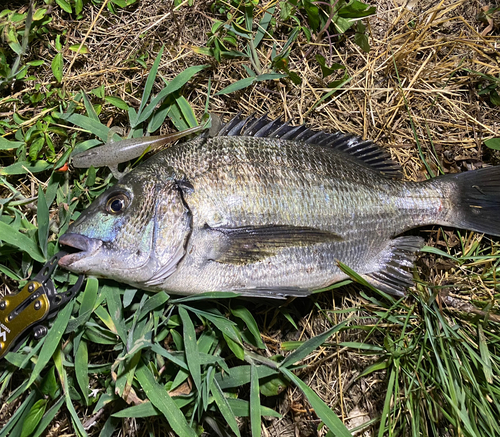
(173, 226)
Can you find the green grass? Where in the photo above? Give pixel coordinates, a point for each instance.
(442, 371)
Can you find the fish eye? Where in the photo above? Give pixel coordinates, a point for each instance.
(117, 203)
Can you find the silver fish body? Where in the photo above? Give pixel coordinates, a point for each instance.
(266, 209)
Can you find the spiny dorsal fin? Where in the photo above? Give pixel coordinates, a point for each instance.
(364, 151)
(397, 258)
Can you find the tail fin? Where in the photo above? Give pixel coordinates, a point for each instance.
(478, 200)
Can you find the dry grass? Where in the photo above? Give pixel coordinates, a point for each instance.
(413, 74)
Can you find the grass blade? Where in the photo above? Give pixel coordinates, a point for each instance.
(95, 127)
(147, 409)
(263, 25)
(89, 297)
(439, 252)
(183, 107)
(205, 296)
(178, 82)
(224, 407)
(115, 311)
(149, 85)
(269, 76)
(69, 405)
(43, 221)
(485, 355)
(160, 398)
(191, 347)
(387, 403)
(310, 345)
(241, 408)
(89, 108)
(23, 167)
(245, 315)
(328, 417)
(255, 420)
(152, 303)
(236, 86)
(82, 369)
(15, 238)
(241, 375)
(19, 414)
(52, 341)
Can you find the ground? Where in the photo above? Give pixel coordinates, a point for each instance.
(419, 93)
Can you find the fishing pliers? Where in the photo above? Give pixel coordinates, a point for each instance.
(37, 301)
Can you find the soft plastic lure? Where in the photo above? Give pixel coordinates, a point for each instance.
(113, 153)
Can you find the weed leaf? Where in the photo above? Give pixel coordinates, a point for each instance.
(34, 417)
(48, 417)
(116, 101)
(57, 66)
(65, 6)
(8, 144)
(493, 143)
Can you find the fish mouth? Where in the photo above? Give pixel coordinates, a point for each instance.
(85, 247)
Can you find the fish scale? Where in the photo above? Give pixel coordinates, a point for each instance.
(328, 204)
(267, 209)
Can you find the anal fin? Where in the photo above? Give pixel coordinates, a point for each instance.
(396, 260)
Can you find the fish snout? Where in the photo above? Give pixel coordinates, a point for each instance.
(85, 246)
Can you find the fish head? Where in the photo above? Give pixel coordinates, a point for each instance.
(135, 232)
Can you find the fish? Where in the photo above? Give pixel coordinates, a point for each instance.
(266, 209)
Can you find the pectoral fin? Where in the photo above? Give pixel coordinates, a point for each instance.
(249, 244)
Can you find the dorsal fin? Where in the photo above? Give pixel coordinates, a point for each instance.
(364, 151)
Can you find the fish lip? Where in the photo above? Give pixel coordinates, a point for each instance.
(87, 246)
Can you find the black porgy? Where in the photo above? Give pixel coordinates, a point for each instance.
(263, 208)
